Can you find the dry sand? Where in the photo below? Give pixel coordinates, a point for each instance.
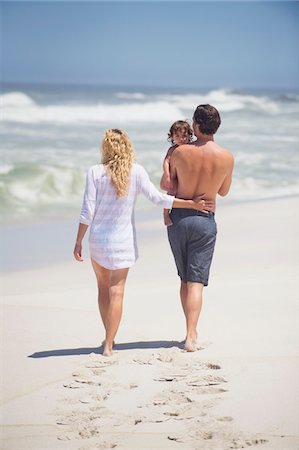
(239, 390)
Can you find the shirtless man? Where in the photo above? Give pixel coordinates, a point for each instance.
(200, 167)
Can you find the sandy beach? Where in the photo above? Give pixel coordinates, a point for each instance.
(239, 390)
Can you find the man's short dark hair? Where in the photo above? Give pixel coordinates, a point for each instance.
(207, 118)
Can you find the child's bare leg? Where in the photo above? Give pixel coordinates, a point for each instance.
(166, 216)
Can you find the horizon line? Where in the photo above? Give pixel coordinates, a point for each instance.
(141, 86)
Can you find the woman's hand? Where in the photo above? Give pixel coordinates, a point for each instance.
(78, 252)
(203, 205)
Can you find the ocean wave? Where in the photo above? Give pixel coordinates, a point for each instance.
(26, 186)
(31, 112)
(289, 97)
(32, 190)
(6, 168)
(15, 99)
(250, 188)
(224, 100)
(131, 95)
(140, 107)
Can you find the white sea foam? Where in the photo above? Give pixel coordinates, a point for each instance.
(131, 95)
(19, 107)
(15, 99)
(250, 188)
(6, 168)
(151, 112)
(224, 100)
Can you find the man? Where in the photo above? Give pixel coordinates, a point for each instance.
(201, 168)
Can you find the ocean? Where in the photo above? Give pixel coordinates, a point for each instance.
(51, 134)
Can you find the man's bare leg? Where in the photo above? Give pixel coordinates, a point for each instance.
(183, 295)
(192, 307)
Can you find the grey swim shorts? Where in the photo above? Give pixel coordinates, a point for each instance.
(192, 240)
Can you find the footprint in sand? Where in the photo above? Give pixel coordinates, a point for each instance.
(240, 443)
(88, 431)
(225, 419)
(205, 380)
(93, 381)
(101, 364)
(66, 437)
(145, 360)
(82, 373)
(72, 385)
(104, 445)
(176, 438)
(213, 366)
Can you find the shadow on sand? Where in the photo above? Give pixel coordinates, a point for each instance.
(99, 350)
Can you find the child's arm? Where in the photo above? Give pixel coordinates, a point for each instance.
(166, 182)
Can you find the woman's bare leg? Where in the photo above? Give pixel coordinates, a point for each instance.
(111, 286)
(103, 280)
(116, 294)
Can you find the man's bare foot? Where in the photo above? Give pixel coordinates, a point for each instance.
(190, 345)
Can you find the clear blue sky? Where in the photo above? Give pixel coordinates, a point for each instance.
(188, 44)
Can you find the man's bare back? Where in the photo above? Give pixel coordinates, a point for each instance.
(201, 168)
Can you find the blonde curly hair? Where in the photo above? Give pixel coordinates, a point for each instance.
(118, 156)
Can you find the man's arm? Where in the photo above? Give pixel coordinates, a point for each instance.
(224, 189)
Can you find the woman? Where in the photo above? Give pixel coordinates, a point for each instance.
(108, 208)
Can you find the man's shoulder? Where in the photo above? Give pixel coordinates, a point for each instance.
(221, 150)
(177, 149)
(227, 154)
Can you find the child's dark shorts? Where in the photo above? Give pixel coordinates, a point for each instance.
(192, 240)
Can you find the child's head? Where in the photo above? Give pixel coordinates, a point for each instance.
(180, 133)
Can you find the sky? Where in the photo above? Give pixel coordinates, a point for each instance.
(169, 43)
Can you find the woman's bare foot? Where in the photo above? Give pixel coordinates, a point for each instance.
(107, 350)
(190, 345)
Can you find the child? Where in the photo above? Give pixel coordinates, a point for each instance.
(180, 133)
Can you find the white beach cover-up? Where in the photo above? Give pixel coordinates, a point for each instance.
(112, 237)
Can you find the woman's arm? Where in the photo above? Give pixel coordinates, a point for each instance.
(200, 204)
(78, 246)
(87, 213)
(89, 199)
(168, 201)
